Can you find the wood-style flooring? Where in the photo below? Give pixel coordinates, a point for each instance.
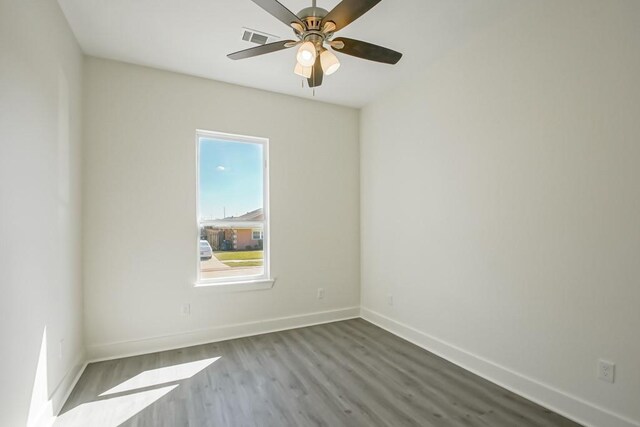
(348, 373)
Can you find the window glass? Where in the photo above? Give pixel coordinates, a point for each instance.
(231, 208)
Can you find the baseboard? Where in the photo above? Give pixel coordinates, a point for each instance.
(66, 386)
(115, 350)
(560, 402)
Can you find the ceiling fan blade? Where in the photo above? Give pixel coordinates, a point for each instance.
(348, 11)
(276, 9)
(260, 50)
(316, 74)
(368, 51)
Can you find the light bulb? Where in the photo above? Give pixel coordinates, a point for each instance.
(302, 71)
(306, 54)
(329, 62)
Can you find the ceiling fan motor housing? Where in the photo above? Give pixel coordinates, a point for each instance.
(312, 17)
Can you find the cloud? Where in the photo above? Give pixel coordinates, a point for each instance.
(221, 168)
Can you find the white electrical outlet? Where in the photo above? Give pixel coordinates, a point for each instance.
(390, 299)
(606, 371)
(320, 293)
(186, 309)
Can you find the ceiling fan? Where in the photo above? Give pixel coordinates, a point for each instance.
(314, 28)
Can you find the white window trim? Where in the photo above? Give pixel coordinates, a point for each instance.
(263, 281)
(246, 285)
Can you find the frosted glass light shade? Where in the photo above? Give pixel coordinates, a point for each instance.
(302, 71)
(306, 54)
(329, 62)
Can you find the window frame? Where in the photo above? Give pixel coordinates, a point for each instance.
(263, 281)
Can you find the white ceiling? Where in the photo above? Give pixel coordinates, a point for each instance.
(193, 37)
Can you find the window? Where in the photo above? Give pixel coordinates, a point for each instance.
(233, 208)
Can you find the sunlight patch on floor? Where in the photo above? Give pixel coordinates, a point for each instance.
(111, 412)
(168, 374)
(118, 404)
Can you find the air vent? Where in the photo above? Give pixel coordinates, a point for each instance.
(257, 37)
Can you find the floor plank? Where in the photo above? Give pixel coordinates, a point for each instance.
(348, 373)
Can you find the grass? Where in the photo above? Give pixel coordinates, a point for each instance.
(244, 264)
(239, 255)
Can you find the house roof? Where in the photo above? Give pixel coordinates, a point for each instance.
(255, 215)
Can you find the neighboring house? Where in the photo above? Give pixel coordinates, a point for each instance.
(240, 238)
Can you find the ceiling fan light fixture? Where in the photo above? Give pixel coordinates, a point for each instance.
(302, 71)
(307, 54)
(329, 62)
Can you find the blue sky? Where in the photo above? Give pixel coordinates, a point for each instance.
(230, 178)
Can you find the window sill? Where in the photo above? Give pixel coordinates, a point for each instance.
(238, 286)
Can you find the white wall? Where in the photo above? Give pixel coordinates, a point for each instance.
(501, 205)
(40, 82)
(139, 206)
